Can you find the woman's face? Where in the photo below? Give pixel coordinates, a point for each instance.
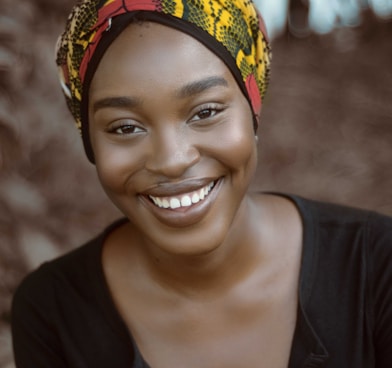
(173, 138)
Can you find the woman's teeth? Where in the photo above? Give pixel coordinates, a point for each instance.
(185, 200)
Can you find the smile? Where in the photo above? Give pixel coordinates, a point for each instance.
(183, 200)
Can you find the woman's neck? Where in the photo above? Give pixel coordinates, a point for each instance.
(229, 263)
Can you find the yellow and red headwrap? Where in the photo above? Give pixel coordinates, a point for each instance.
(233, 29)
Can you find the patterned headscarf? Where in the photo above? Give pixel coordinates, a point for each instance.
(234, 24)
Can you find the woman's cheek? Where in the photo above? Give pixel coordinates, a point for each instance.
(116, 164)
(235, 144)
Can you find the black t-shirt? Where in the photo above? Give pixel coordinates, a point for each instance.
(63, 314)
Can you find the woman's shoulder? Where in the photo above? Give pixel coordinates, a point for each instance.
(354, 238)
(73, 268)
(59, 304)
(337, 214)
(336, 228)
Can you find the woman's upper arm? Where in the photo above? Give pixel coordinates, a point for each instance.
(35, 340)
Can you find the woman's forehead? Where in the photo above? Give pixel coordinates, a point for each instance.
(154, 39)
(151, 52)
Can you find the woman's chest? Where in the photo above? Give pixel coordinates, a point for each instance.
(216, 334)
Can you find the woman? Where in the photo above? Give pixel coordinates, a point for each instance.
(200, 273)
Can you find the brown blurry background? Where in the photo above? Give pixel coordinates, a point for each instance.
(326, 134)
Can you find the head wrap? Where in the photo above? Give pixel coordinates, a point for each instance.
(232, 29)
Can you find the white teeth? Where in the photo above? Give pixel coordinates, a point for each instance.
(175, 203)
(184, 201)
(195, 198)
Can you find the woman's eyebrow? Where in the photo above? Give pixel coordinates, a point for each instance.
(113, 102)
(188, 90)
(200, 86)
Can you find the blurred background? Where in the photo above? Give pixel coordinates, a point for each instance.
(326, 129)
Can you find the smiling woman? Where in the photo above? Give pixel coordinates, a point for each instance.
(201, 272)
(186, 128)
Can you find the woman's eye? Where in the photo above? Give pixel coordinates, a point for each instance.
(125, 129)
(205, 113)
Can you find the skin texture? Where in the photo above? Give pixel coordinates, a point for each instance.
(172, 150)
(167, 118)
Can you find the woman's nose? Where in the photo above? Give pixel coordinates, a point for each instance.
(172, 153)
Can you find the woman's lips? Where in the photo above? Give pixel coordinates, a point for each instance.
(183, 209)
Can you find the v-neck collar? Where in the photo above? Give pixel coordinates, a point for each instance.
(307, 349)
